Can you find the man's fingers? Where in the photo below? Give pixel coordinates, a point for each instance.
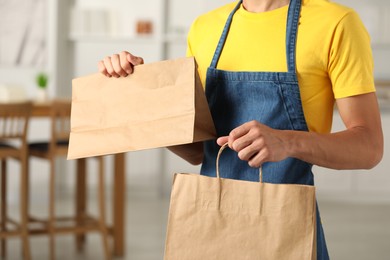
(243, 135)
(134, 59)
(222, 140)
(258, 159)
(240, 131)
(119, 65)
(102, 69)
(109, 67)
(116, 64)
(125, 64)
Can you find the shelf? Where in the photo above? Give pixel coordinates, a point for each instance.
(150, 39)
(170, 38)
(175, 38)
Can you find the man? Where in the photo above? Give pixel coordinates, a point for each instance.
(276, 69)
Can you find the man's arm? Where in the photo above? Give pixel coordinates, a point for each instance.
(359, 146)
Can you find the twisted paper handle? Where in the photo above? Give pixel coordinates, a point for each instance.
(223, 147)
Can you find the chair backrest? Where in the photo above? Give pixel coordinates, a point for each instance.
(60, 122)
(14, 119)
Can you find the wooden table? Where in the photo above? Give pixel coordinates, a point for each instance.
(119, 186)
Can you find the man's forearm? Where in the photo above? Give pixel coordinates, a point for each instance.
(356, 148)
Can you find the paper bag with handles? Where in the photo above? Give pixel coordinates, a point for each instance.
(225, 219)
(161, 104)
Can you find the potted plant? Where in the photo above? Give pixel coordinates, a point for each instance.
(41, 81)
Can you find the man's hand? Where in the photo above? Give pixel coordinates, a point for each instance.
(119, 65)
(257, 143)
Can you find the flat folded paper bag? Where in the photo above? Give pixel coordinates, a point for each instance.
(161, 104)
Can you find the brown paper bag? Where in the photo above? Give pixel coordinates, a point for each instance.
(225, 219)
(161, 104)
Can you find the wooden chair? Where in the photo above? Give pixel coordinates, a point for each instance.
(14, 118)
(57, 147)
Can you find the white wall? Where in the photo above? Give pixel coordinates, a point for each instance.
(357, 185)
(375, 14)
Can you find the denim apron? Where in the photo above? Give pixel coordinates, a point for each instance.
(271, 98)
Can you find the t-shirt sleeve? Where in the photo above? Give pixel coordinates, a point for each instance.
(350, 59)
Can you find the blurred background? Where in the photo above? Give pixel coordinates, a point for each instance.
(65, 39)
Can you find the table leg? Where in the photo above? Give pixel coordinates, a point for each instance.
(81, 199)
(4, 215)
(119, 205)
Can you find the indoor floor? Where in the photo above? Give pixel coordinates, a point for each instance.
(353, 231)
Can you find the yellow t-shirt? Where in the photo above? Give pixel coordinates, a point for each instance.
(334, 58)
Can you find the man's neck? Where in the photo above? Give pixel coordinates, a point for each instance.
(259, 6)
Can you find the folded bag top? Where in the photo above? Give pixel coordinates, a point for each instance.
(161, 104)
